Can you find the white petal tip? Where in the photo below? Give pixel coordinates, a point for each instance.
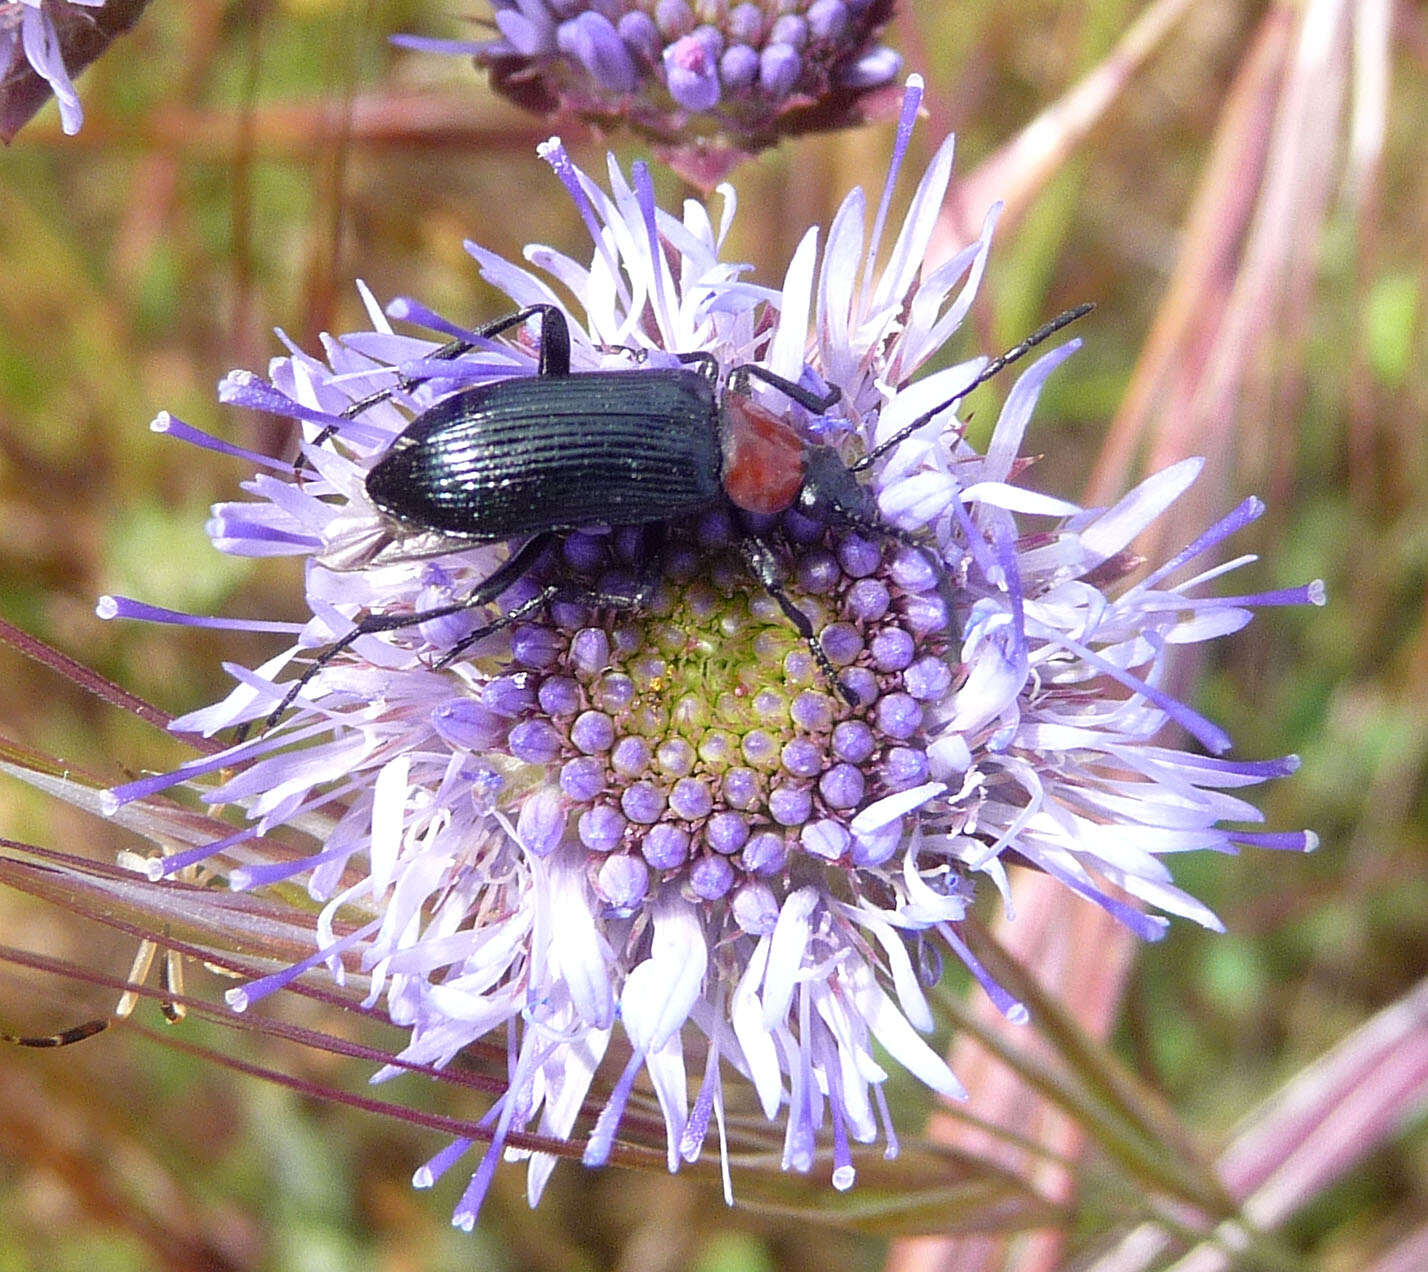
(237, 1000)
(161, 423)
(106, 607)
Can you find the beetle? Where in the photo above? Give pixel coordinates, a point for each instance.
(530, 458)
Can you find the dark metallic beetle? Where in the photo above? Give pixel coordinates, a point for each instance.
(530, 458)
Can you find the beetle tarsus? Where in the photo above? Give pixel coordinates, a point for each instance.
(763, 564)
(504, 575)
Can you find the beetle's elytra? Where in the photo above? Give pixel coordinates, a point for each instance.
(530, 458)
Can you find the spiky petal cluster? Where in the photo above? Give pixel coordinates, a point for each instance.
(710, 81)
(28, 35)
(639, 841)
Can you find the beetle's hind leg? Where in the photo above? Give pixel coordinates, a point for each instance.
(513, 568)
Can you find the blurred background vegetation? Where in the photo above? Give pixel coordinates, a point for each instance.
(1259, 288)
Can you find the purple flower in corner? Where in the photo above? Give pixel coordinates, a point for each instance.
(629, 841)
(709, 83)
(44, 44)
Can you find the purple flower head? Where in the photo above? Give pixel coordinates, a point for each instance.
(709, 83)
(40, 33)
(658, 833)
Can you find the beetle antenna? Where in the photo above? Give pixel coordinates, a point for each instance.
(992, 368)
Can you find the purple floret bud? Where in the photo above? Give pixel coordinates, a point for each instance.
(812, 711)
(558, 696)
(827, 839)
(745, 23)
(665, 847)
(536, 646)
(466, 725)
(817, 571)
(590, 650)
(582, 778)
(755, 909)
(868, 600)
(675, 757)
(759, 748)
(614, 692)
(692, 73)
(841, 642)
(878, 66)
(853, 741)
(643, 803)
(690, 799)
(913, 571)
(593, 732)
(531, 34)
(859, 557)
(640, 36)
(861, 682)
(925, 614)
(727, 832)
(741, 788)
(508, 696)
(779, 68)
(631, 757)
(842, 786)
(827, 19)
(765, 853)
(904, 767)
(601, 828)
(534, 741)
(674, 18)
(790, 30)
(802, 757)
(711, 877)
(591, 39)
(892, 649)
(899, 716)
(622, 880)
(928, 679)
(790, 805)
(738, 69)
(541, 823)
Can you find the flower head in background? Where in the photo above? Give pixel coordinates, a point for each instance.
(657, 842)
(710, 83)
(44, 44)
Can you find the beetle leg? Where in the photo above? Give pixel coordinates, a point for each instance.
(514, 566)
(707, 363)
(645, 583)
(881, 529)
(764, 566)
(545, 595)
(739, 383)
(554, 358)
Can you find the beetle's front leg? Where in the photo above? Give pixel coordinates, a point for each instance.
(764, 566)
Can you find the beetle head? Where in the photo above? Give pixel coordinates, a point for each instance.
(831, 492)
